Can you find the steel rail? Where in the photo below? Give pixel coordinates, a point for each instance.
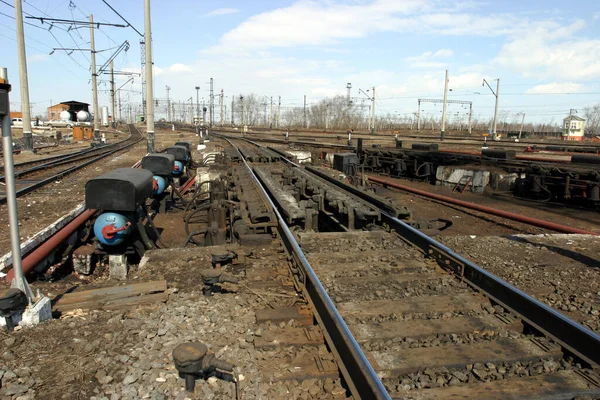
(355, 367)
(52, 178)
(58, 162)
(572, 336)
(61, 157)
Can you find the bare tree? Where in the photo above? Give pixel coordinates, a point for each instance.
(592, 123)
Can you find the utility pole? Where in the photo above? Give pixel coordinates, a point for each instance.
(94, 81)
(232, 113)
(278, 111)
(18, 281)
(470, 116)
(496, 107)
(326, 116)
(212, 104)
(198, 101)
(24, 82)
(497, 94)
(242, 106)
(222, 103)
(271, 114)
(373, 112)
(419, 116)
(444, 108)
(112, 93)
(168, 103)
(149, 82)
(521, 128)
(143, 75)
(266, 114)
(305, 112)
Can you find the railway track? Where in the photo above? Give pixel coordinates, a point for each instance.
(33, 175)
(404, 316)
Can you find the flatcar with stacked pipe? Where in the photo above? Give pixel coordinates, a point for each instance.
(577, 182)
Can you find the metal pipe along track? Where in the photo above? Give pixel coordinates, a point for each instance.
(488, 210)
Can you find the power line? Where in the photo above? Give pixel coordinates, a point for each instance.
(120, 16)
(26, 23)
(12, 6)
(42, 51)
(29, 38)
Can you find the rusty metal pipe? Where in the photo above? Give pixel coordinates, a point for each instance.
(488, 210)
(44, 250)
(188, 184)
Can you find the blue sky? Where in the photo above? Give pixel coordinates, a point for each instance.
(546, 53)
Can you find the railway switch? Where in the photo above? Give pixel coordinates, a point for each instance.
(123, 226)
(212, 278)
(193, 361)
(161, 165)
(12, 301)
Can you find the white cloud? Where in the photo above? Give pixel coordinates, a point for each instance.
(174, 69)
(426, 60)
(38, 57)
(313, 23)
(177, 68)
(222, 11)
(307, 22)
(306, 81)
(554, 87)
(547, 53)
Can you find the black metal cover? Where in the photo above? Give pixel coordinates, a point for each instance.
(585, 159)
(180, 152)
(122, 189)
(187, 145)
(345, 162)
(160, 164)
(425, 146)
(501, 154)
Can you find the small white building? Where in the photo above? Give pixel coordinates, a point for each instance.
(573, 128)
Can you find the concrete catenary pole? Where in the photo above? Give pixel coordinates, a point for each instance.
(94, 81)
(112, 93)
(168, 88)
(9, 174)
(522, 123)
(24, 81)
(198, 101)
(271, 113)
(149, 82)
(222, 104)
(212, 104)
(278, 112)
(373, 112)
(444, 108)
(232, 113)
(419, 116)
(242, 108)
(305, 112)
(496, 109)
(470, 117)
